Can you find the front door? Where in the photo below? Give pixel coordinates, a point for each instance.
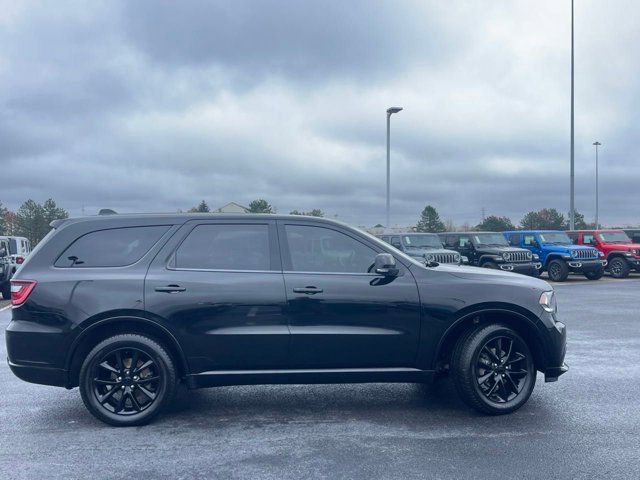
(340, 314)
(219, 286)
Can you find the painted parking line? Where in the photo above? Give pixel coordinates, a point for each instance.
(2, 309)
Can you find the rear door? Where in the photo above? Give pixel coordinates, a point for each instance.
(340, 314)
(219, 285)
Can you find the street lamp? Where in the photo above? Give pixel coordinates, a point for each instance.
(390, 111)
(597, 144)
(572, 214)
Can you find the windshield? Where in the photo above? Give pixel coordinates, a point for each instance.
(614, 237)
(421, 241)
(556, 238)
(489, 239)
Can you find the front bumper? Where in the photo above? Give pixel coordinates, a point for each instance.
(634, 263)
(556, 350)
(581, 266)
(525, 268)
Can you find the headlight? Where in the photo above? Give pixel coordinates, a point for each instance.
(456, 258)
(536, 256)
(430, 258)
(464, 259)
(600, 254)
(574, 253)
(506, 256)
(529, 255)
(548, 301)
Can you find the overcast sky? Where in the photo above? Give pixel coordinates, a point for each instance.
(155, 105)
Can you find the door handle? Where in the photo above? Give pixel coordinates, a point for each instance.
(170, 289)
(307, 290)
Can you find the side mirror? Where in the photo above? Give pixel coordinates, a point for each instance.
(385, 264)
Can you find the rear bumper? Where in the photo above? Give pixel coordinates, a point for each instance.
(552, 374)
(39, 374)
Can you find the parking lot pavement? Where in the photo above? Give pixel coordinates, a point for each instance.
(587, 425)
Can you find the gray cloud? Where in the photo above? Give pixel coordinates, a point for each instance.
(148, 106)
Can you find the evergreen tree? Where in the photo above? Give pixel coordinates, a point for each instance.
(430, 221)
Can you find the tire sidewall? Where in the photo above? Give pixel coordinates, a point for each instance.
(624, 268)
(149, 347)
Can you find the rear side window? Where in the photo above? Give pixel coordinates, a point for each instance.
(514, 240)
(116, 247)
(225, 247)
(529, 240)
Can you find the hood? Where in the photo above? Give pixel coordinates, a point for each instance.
(500, 250)
(566, 248)
(623, 246)
(491, 275)
(422, 252)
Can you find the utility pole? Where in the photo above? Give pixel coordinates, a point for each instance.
(390, 111)
(597, 144)
(572, 212)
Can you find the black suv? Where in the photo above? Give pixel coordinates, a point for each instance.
(126, 307)
(491, 250)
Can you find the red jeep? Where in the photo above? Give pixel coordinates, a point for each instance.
(621, 253)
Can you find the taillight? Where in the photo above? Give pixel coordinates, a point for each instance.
(19, 260)
(20, 290)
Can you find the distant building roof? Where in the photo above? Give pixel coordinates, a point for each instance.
(233, 207)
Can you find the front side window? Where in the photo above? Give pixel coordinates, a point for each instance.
(225, 247)
(463, 242)
(115, 247)
(319, 249)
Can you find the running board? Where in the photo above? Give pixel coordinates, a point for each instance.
(219, 378)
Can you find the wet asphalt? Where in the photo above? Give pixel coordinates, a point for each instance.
(586, 425)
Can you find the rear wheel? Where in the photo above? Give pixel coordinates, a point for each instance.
(619, 268)
(493, 369)
(127, 380)
(558, 270)
(595, 274)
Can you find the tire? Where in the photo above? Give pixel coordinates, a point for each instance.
(488, 385)
(112, 391)
(6, 291)
(490, 264)
(557, 270)
(619, 268)
(594, 275)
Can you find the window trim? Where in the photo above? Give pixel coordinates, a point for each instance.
(274, 255)
(287, 264)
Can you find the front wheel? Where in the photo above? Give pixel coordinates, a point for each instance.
(491, 265)
(594, 275)
(493, 370)
(558, 270)
(619, 268)
(127, 380)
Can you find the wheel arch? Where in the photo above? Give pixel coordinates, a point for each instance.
(487, 258)
(115, 325)
(553, 256)
(520, 322)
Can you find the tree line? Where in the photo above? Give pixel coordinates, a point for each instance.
(543, 219)
(31, 220)
(259, 205)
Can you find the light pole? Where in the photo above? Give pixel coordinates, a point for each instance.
(572, 215)
(597, 144)
(390, 111)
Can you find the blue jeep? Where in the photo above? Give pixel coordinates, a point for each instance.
(558, 254)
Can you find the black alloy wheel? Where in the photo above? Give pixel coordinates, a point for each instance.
(501, 368)
(127, 380)
(493, 369)
(619, 268)
(558, 271)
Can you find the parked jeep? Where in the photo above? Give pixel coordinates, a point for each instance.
(491, 250)
(5, 269)
(558, 255)
(634, 234)
(19, 249)
(426, 247)
(621, 253)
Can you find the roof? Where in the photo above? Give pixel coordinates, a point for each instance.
(177, 218)
(464, 233)
(533, 231)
